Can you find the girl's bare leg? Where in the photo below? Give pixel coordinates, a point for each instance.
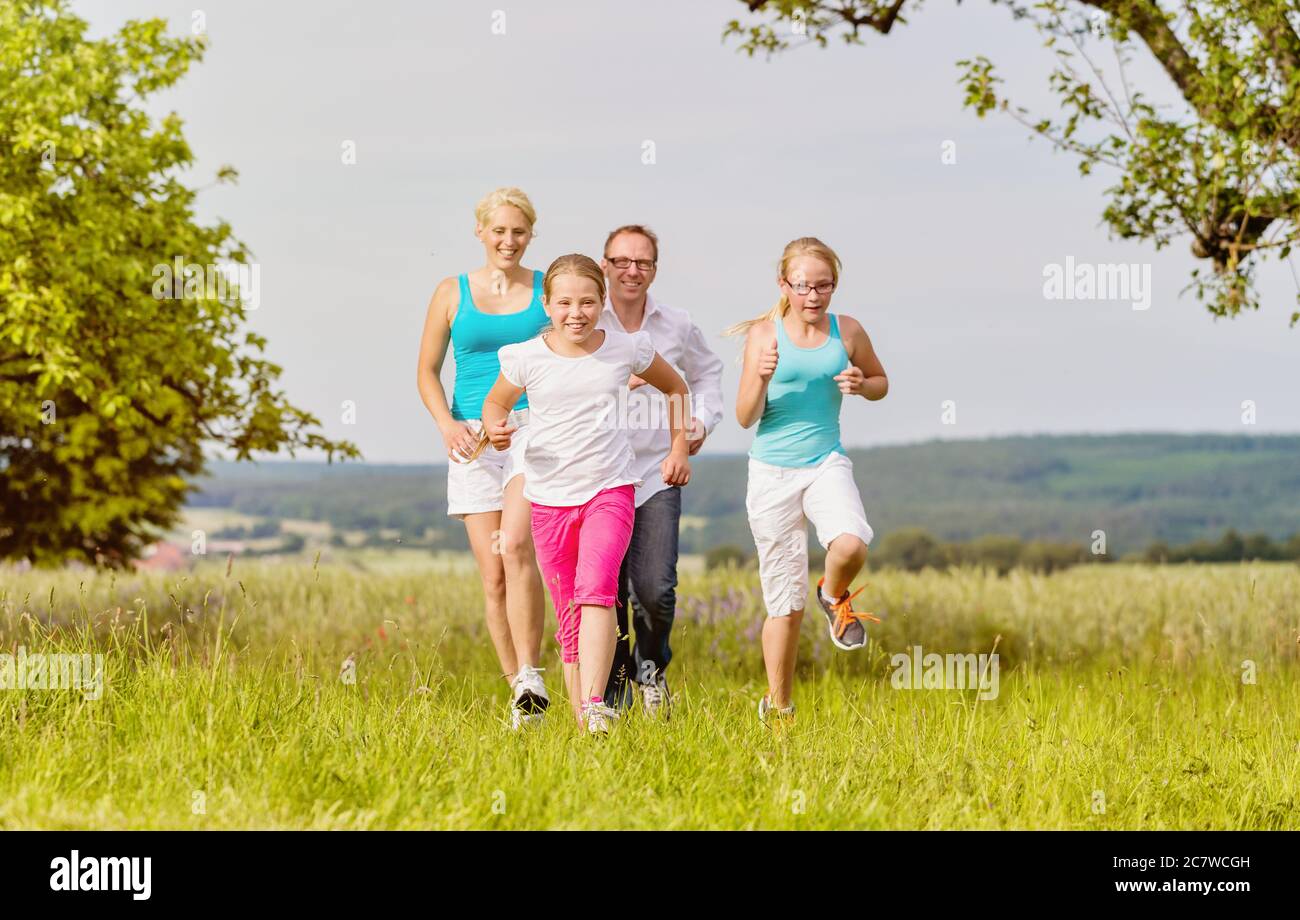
(481, 529)
(524, 605)
(596, 638)
(573, 687)
(844, 560)
(780, 644)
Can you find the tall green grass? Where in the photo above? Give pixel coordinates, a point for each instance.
(1121, 704)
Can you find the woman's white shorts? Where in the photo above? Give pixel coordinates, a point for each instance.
(778, 499)
(480, 485)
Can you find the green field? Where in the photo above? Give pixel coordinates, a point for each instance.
(1123, 703)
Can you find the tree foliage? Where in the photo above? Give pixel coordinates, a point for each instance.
(1220, 169)
(108, 391)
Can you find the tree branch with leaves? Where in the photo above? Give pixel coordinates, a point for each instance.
(1220, 167)
(108, 391)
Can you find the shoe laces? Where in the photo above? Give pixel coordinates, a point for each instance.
(527, 674)
(845, 614)
(599, 709)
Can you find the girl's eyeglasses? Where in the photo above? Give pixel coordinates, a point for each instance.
(803, 287)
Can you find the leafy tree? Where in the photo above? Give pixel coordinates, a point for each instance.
(1045, 556)
(1000, 552)
(1196, 551)
(1231, 547)
(1222, 170)
(113, 374)
(1260, 546)
(1157, 552)
(913, 549)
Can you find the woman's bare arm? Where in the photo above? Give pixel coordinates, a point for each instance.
(456, 435)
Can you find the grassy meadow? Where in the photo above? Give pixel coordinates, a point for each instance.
(1129, 697)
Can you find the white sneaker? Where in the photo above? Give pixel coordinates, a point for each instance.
(519, 719)
(656, 698)
(529, 697)
(769, 713)
(598, 717)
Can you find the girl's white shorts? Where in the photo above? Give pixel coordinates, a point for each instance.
(480, 485)
(778, 499)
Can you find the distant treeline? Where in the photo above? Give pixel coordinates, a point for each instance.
(268, 527)
(1231, 547)
(1141, 489)
(914, 549)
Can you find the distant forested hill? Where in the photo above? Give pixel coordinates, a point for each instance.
(1138, 488)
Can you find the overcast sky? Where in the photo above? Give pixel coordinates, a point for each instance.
(943, 263)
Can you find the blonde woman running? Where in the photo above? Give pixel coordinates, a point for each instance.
(800, 361)
(478, 313)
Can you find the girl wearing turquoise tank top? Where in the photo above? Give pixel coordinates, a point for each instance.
(477, 313)
(800, 423)
(800, 362)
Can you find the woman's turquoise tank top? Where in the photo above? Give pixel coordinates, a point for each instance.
(800, 425)
(475, 338)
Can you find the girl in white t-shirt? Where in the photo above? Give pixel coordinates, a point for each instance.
(579, 468)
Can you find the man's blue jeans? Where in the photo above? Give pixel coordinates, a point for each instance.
(648, 583)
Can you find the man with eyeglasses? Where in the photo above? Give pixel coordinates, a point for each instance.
(648, 580)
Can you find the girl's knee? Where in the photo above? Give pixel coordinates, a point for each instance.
(848, 546)
(516, 550)
(494, 585)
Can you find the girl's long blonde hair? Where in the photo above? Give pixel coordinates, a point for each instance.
(804, 246)
(575, 263)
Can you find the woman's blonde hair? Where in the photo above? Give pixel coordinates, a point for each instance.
(804, 246)
(504, 195)
(575, 263)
